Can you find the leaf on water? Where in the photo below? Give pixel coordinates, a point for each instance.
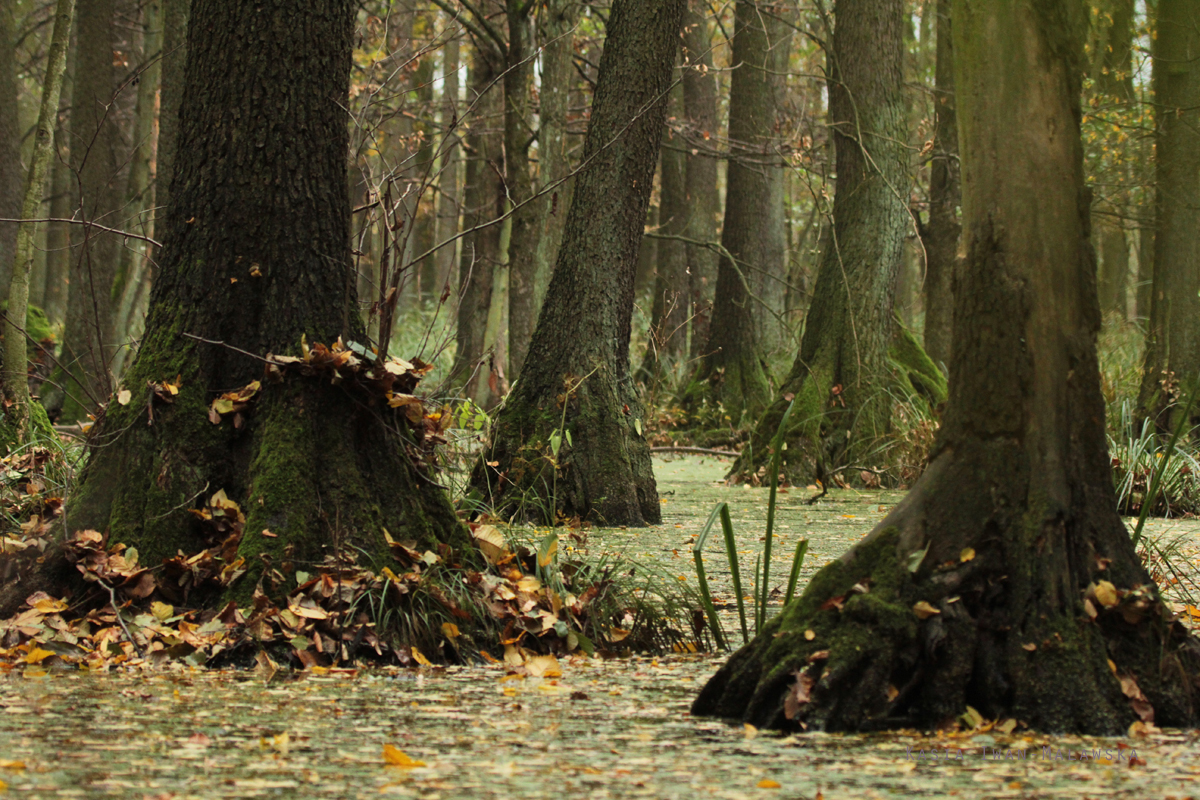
(924, 611)
(6, 764)
(967, 554)
(544, 667)
(749, 730)
(766, 783)
(395, 757)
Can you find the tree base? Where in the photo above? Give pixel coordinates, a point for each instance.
(906, 631)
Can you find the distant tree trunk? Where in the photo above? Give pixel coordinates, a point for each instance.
(940, 235)
(556, 27)
(62, 204)
(576, 381)
(449, 204)
(519, 183)
(20, 416)
(98, 153)
(10, 144)
(754, 236)
(700, 137)
(842, 368)
(1114, 85)
(1173, 340)
(667, 336)
(132, 270)
(1005, 580)
(647, 257)
(483, 202)
(256, 256)
(175, 15)
(425, 285)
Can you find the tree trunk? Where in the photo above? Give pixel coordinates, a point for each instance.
(1112, 277)
(62, 205)
(483, 203)
(667, 336)
(425, 285)
(753, 238)
(518, 174)
(1005, 580)
(175, 15)
(10, 144)
(701, 130)
(256, 259)
(1173, 340)
(556, 27)
(449, 205)
(16, 362)
(842, 368)
(940, 236)
(98, 153)
(576, 388)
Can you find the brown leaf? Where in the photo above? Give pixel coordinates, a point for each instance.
(799, 695)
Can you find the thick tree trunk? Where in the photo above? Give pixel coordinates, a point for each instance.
(175, 15)
(255, 260)
(1005, 580)
(1173, 340)
(576, 388)
(98, 153)
(667, 336)
(940, 236)
(10, 144)
(701, 130)
(842, 368)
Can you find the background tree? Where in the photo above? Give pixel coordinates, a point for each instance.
(255, 260)
(10, 142)
(1005, 580)
(576, 383)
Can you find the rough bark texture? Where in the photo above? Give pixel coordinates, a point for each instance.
(940, 236)
(842, 368)
(1173, 339)
(754, 239)
(449, 205)
(10, 145)
(256, 255)
(1019, 474)
(700, 136)
(576, 383)
(519, 182)
(483, 202)
(62, 205)
(98, 153)
(175, 15)
(425, 286)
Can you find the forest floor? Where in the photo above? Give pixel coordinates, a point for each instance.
(615, 728)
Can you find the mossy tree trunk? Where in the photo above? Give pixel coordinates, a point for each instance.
(754, 239)
(940, 234)
(700, 135)
(255, 256)
(975, 589)
(842, 370)
(576, 384)
(1173, 340)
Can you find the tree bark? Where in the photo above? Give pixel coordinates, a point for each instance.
(483, 203)
(1173, 340)
(449, 204)
(98, 153)
(175, 15)
(255, 260)
(984, 586)
(519, 182)
(842, 368)
(10, 144)
(425, 285)
(700, 137)
(576, 387)
(940, 236)
(62, 205)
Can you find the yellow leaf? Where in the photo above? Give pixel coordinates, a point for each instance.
(162, 611)
(395, 757)
(1008, 726)
(967, 554)
(924, 611)
(450, 630)
(3, 786)
(491, 542)
(544, 667)
(768, 784)
(749, 730)
(5, 764)
(420, 658)
(617, 634)
(48, 605)
(124, 396)
(1106, 593)
(810, 634)
(37, 655)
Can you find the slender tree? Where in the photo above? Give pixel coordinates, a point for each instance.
(10, 142)
(1173, 340)
(449, 203)
(842, 370)
(569, 437)
(1005, 580)
(256, 260)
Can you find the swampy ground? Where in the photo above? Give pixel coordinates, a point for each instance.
(603, 728)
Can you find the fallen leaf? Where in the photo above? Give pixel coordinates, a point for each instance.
(1106, 593)
(124, 396)
(395, 757)
(923, 610)
(810, 634)
(766, 783)
(967, 554)
(420, 658)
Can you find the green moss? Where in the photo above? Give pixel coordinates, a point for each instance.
(914, 369)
